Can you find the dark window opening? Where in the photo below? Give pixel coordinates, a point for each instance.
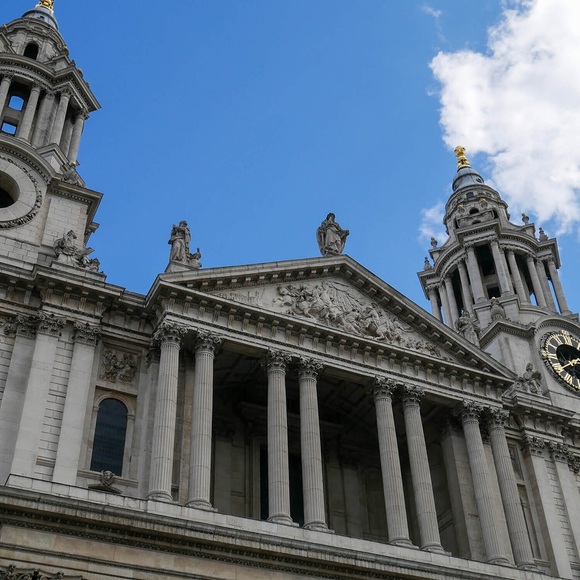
(31, 50)
(469, 195)
(473, 211)
(296, 488)
(16, 103)
(109, 440)
(493, 292)
(8, 128)
(6, 199)
(485, 259)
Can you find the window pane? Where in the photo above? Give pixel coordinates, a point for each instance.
(109, 441)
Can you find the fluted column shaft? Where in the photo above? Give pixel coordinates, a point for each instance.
(201, 422)
(453, 310)
(475, 275)
(470, 413)
(168, 336)
(505, 284)
(4, 88)
(519, 285)
(465, 287)
(311, 449)
(397, 525)
(558, 289)
(420, 473)
(278, 467)
(77, 396)
(510, 496)
(26, 123)
(435, 310)
(37, 388)
(58, 126)
(75, 141)
(536, 282)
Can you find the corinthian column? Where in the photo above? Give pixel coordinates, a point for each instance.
(420, 474)
(26, 123)
(465, 287)
(397, 525)
(510, 496)
(558, 290)
(75, 141)
(37, 387)
(4, 88)
(201, 421)
(541, 301)
(475, 275)
(314, 512)
(505, 284)
(435, 310)
(77, 395)
(168, 335)
(470, 413)
(60, 118)
(278, 468)
(517, 277)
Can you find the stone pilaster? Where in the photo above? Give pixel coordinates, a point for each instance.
(510, 496)
(201, 421)
(48, 331)
(77, 397)
(278, 467)
(397, 525)
(169, 336)
(420, 473)
(29, 113)
(312, 480)
(470, 413)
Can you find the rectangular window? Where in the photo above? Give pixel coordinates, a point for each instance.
(8, 128)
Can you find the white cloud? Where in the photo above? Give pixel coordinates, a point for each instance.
(436, 15)
(520, 105)
(432, 223)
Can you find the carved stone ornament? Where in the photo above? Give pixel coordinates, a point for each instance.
(331, 237)
(309, 368)
(22, 325)
(179, 242)
(50, 324)
(497, 418)
(86, 334)
(383, 388)
(117, 366)
(169, 332)
(533, 445)
(277, 360)
(530, 381)
(107, 478)
(469, 411)
(468, 327)
(559, 451)
(13, 573)
(67, 252)
(412, 395)
(336, 304)
(207, 341)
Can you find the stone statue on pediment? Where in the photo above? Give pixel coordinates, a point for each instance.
(179, 240)
(331, 237)
(67, 252)
(468, 327)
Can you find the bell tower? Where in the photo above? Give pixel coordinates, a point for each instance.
(44, 103)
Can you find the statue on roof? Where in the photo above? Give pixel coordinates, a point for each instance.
(331, 237)
(461, 158)
(468, 326)
(179, 241)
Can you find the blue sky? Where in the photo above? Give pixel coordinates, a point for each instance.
(252, 119)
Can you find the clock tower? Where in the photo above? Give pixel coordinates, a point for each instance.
(497, 282)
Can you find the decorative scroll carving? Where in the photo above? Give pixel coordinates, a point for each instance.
(309, 368)
(67, 252)
(334, 304)
(331, 237)
(23, 326)
(169, 332)
(559, 451)
(533, 445)
(122, 368)
(277, 360)
(469, 411)
(50, 324)
(86, 334)
(207, 341)
(383, 388)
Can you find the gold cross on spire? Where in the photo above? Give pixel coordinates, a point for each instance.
(46, 4)
(461, 159)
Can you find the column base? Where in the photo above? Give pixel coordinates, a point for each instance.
(501, 561)
(528, 567)
(403, 543)
(200, 504)
(318, 527)
(160, 496)
(434, 548)
(282, 519)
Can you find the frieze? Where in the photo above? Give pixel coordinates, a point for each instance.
(250, 299)
(116, 366)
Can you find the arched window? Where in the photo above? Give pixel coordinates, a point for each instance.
(109, 440)
(31, 50)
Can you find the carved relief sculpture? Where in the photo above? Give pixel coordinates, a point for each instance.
(331, 237)
(67, 252)
(115, 368)
(530, 381)
(468, 327)
(179, 241)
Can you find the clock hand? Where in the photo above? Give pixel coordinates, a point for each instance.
(572, 362)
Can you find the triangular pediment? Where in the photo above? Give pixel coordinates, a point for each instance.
(340, 297)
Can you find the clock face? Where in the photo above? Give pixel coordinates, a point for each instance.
(561, 353)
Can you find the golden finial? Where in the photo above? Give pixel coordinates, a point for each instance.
(46, 4)
(461, 159)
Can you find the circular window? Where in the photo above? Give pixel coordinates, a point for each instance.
(9, 191)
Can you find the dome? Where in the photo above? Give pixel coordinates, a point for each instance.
(466, 177)
(42, 13)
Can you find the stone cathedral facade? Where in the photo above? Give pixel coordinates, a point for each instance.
(281, 421)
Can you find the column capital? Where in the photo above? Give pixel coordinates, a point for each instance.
(469, 411)
(153, 355)
(169, 332)
(559, 451)
(383, 388)
(65, 93)
(497, 418)
(533, 445)
(573, 463)
(50, 324)
(207, 341)
(86, 334)
(83, 114)
(412, 395)
(277, 360)
(309, 368)
(22, 325)
(8, 75)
